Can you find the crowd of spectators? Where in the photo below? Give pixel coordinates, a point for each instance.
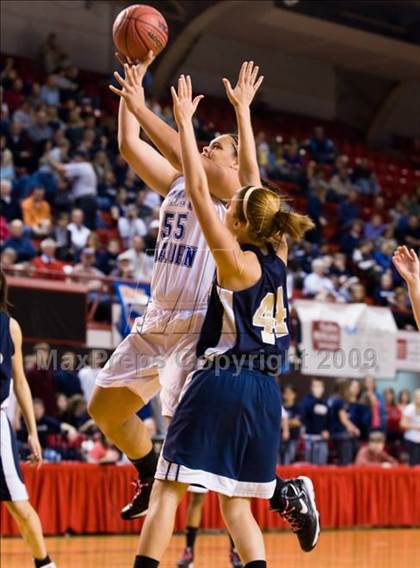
(357, 423)
(73, 209)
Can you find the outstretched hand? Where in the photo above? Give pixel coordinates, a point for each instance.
(132, 85)
(246, 87)
(407, 263)
(184, 105)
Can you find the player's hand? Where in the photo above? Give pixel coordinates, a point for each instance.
(407, 263)
(132, 90)
(246, 87)
(36, 451)
(184, 105)
(140, 67)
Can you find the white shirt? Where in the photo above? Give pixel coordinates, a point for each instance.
(87, 378)
(129, 228)
(83, 177)
(410, 412)
(79, 235)
(314, 283)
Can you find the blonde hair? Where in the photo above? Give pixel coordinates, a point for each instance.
(267, 217)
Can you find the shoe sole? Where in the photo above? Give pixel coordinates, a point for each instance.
(134, 517)
(311, 492)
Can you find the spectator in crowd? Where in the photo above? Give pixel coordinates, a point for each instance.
(358, 412)
(46, 264)
(401, 310)
(321, 147)
(47, 426)
(84, 184)
(124, 269)
(344, 431)
(86, 272)
(375, 228)
(62, 236)
(393, 418)
(52, 55)
(37, 212)
(385, 292)
(22, 245)
(410, 423)
(10, 206)
(79, 233)
(408, 231)
(349, 209)
(315, 418)
(7, 167)
(50, 93)
(289, 448)
(8, 258)
(141, 263)
(404, 399)
(66, 375)
(102, 451)
(131, 226)
(88, 374)
(357, 294)
(352, 239)
(364, 179)
(374, 452)
(317, 282)
(106, 259)
(374, 399)
(40, 131)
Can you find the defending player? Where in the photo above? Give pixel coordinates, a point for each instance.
(12, 489)
(226, 429)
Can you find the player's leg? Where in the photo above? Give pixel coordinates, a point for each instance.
(158, 527)
(244, 529)
(194, 514)
(114, 411)
(30, 528)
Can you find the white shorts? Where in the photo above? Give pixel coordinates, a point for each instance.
(12, 487)
(159, 353)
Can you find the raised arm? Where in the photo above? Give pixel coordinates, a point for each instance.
(241, 98)
(223, 181)
(149, 165)
(407, 263)
(229, 257)
(23, 393)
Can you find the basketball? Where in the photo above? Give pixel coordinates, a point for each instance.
(139, 29)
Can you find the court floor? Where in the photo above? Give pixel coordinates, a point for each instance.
(392, 548)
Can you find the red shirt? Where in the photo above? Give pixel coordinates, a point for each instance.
(44, 265)
(366, 457)
(393, 420)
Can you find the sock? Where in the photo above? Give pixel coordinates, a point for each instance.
(232, 544)
(146, 466)
(191, 534)
(256, 564)
(145, 562)
(280, 482)
(43, 562)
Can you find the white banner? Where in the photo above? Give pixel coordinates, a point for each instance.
(347, 340)
(408, 350)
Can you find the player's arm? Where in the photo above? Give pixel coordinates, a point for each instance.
(223, 181)
(407, 263)
(229, 257)
(23, 393)
(241, 98)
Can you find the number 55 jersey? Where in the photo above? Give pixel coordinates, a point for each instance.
(254, 321)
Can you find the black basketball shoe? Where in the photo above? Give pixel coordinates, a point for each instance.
(140, 502)
(294, 500)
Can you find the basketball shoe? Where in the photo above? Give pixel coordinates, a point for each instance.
(140, 502)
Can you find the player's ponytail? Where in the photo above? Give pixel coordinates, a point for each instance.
(267, 216)
(292, 224)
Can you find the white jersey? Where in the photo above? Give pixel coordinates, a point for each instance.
(184, 268)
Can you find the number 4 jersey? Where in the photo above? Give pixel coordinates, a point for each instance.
(184, 268)
(252, 321)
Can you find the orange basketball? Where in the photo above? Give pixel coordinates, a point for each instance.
(139, 29)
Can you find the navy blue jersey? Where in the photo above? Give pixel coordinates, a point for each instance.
(254, 321)
(315, 415)
(6, 353)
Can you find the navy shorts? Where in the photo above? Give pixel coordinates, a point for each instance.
(225, 434)
(12, 487)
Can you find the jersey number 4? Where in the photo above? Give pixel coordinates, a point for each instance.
(274, 325)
